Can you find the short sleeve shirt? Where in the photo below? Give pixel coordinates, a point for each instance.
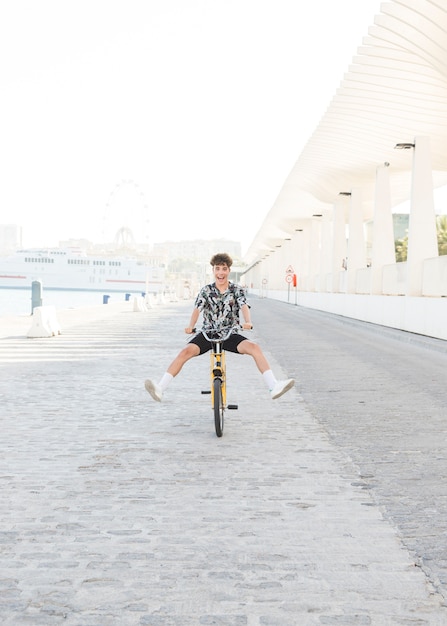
(220, 310)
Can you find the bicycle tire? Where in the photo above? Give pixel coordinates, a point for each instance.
(218, 407)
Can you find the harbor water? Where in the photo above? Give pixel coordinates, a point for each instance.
(18, 301)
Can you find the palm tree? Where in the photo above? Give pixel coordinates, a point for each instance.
(401, 245)
(441, 225)
(401, 249)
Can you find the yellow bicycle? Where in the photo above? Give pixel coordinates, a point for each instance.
(218, 377)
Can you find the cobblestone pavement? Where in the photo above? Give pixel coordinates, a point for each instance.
(115, 509)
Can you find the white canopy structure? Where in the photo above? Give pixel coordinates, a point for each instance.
(395, 90)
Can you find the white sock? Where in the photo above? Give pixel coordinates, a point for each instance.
(269, 379)
(165, 381)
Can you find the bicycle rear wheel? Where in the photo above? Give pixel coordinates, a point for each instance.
(218, 407)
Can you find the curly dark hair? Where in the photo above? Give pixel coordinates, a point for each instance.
(221, 258)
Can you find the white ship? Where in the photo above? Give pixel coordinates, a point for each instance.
(73, 269)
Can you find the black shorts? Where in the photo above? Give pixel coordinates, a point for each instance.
(229, 344)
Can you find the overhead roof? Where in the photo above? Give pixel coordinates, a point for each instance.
(394, 91)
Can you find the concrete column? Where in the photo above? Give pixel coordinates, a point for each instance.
(383, 252)
(314, 253)
(262, 273)
(276, 273)
(422, 238)
(293, 248)
(255, 277)
(267, 266)
(281, 264)
(326, 252)
(301, 240)
(339, 248)
(356, 241)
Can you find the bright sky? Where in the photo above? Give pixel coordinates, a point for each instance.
(178, 118)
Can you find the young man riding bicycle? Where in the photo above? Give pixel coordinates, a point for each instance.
(221, 304)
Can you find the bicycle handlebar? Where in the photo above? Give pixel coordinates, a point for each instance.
(219, 333)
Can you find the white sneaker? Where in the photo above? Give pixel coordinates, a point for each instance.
(281, 387)
(153, 389)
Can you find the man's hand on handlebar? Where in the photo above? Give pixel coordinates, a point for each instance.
(247, 326)
(190, 330)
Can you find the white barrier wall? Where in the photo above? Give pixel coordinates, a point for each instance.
(424, 316)
(434, 277)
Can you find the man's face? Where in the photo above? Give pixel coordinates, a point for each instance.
(221, 273)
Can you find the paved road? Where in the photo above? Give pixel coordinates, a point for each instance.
(381, 394)
(118, 510)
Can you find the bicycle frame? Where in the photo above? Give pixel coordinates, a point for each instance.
(218, 380)
(218, 370)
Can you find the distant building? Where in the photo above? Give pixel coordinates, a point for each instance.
(82, 244)
(188, 262)
(10, 238)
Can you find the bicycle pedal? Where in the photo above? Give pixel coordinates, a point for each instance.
(206, 391)
(233, 407)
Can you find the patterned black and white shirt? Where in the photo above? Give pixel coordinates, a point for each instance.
(220, 311)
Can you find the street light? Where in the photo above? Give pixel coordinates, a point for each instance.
(404, 146)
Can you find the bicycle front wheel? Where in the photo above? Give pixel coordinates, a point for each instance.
(218, 407)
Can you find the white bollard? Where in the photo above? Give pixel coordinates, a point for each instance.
(147, 302)
(139, 305)
(152, 300)
(45, 322)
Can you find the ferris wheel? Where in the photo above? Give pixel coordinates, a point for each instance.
(124, 238)
(126, 212)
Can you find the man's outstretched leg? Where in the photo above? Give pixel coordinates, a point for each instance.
(156, 389)
(277, 388)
